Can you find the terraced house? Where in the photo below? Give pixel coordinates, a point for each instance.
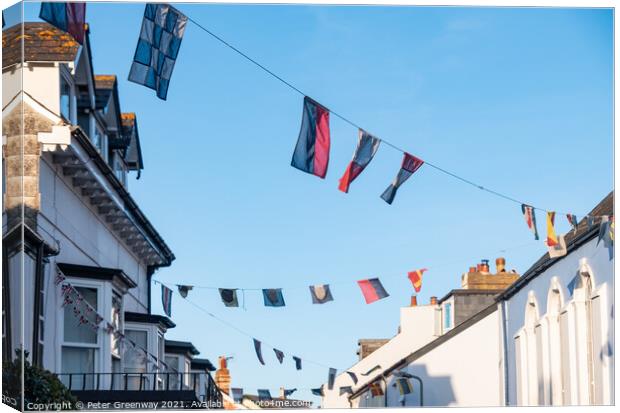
(89, 252)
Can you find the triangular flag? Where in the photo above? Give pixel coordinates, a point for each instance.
(279, 355)
(559, 249)
(273, 297)
(317, 391)
(184, 290)
(259, 352)
(321, 294)
(530, 218)
(416, 279)
(353, 376)
(297, 363)
(331, 377)
(367, 146)
(312, 150)
(552, 238)
(68, 17)
(166, 300)
(409, 166)
(229, 297)
(372, 289)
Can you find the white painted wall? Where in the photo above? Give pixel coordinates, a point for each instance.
(417, 329)
(41, 81)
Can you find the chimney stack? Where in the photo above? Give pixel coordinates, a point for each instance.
(222, 376)
(414, 301)
(433, 300)
(484, 266)
(500, 264)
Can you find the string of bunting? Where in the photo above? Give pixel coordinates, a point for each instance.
(88, 316)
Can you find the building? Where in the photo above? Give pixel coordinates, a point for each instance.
(89, 251)
(558, 323)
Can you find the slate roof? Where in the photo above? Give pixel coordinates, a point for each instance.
(42, 43)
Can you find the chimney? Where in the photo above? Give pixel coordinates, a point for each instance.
(472, 269)
(222, 376)
(282, 395)
(433, 300)
(414, 301)
(484, 266)
(500, 264)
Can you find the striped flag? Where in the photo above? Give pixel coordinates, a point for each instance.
(279, 355)
(572, 220)
(367, 146)
(166, 300)
(372, 290)
(312, 150)
(559, 249)
(416, 279)
(552, 238)
(259, 351)
(409, 166)
(404, 386)
(530, 219)
(68, 17)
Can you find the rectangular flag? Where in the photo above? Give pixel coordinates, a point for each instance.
(404, 386)
(552, 238)
(372, 290)
(259, 351)
(353, 376)
(331, 378)
(416, 279)
(345, 390)
(264, 395)
(279, 355)
(237, 394)
(272, 297)
(166, 300)
(229, 297)
(312, 150)
(158, 46)
(530, 219)
(297, 363)
(572, 220)
(320, 293)
(409, 166)
(68, 17)
(559, 249)
(376, 390)
(184, 289)
(367, 146)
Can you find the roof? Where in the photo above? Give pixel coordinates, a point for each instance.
(149, 319)
(133, 157)
(105, 81)
(98, 273)
(465, 291)
(173, 346)
(42, 43)
(202, 364)
(573, 239)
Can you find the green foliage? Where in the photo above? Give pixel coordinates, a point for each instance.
(40, 385)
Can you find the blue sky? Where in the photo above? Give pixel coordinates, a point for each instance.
(518, 100)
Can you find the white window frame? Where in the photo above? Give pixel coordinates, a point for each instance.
(65, 75)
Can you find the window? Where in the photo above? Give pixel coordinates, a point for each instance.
(66, 98)
(80, 342)
(173, 369)
(447, 322)
(160, 358)
(136, 360)
(100, 141)
(115, 317)
(186, 372)
(119, 167)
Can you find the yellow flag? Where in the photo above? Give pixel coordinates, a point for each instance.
(552, 239)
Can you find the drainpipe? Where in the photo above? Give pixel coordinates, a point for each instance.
(421, 389)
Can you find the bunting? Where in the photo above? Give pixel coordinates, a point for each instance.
(259, 351)
(604, 228)
(162, 30)
(321, 293)
(404, 386)
(353, 376)
(279, 355)
(184, 290)
(229, 297)
(345, 390)
(367, 147)
(416, 279)
(317, 391)
(375, 389)
(273, 297)
(552, 239)
(559, 249)
(331, 378)
(264, 395)
(288, 392)
(237, 394)
(68, 17)
(166, 300)
(372, 289)
(297, 363)
(530, 219)
(312, 150)
(409, 165)
(572, 220)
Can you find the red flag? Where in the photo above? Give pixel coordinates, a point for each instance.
(416, 279)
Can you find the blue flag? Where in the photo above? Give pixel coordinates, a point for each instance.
(273, 297)
(297, 363)
(259, 351)
(158, 46)
(68, 17)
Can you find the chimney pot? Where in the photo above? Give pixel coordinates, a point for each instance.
(433, 300)
(472, 269)
(414, 301)
(500, 264)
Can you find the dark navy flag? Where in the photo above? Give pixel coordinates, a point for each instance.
(297, 362)
(345, 390)
(184, 290)
(273, 297)
(409, 166)
(288, 392)
(237, 394)
(317, 391)
(68, 17)
(166, 300)
(367, 147)
(404, 386)
(279, 355)
(264, 395)
(573, 284)
(158, 47)
(353, 376)
(321, 294)
(331, 377)
(259, 351)
(312, 150)
(229, 297)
